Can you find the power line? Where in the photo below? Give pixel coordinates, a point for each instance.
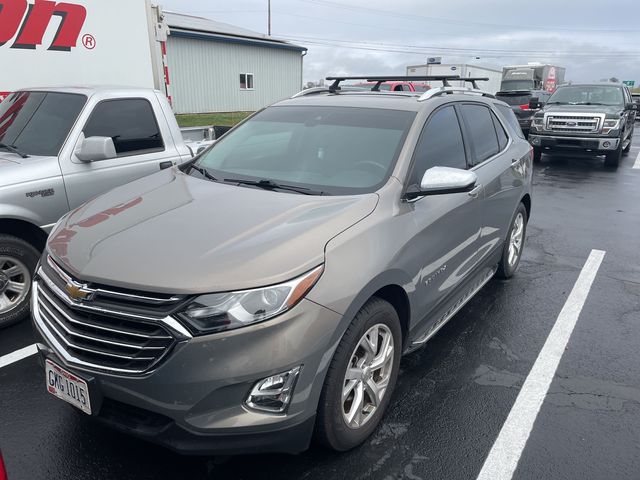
(422, 49)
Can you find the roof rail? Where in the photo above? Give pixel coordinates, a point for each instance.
(379, 80)
(311, 91)
(436, 92)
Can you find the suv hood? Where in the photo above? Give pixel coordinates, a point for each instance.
(173, 233)
(611, 111)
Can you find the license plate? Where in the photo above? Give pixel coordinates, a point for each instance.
(66, 386)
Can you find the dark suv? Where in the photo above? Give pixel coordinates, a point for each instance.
(587, 119)
(520, 102)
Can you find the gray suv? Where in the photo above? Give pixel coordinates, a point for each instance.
(264, 293)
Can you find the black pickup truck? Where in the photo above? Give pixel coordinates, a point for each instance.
(586, 119)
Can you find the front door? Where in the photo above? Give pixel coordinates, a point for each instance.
(141, 145)
(446, 228)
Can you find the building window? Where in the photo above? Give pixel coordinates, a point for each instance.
(246, 81)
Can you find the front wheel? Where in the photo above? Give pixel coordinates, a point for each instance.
(612, 159)
(361, 377)
(537, 154)
(512, 250)
(18, 260)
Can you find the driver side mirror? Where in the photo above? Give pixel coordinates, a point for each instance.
(96, 148)
(443, 181)
(631, 106)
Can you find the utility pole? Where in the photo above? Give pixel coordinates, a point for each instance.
(269, 30)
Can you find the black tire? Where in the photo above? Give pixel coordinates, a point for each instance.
(507, 269)
(26, 254)
(332, 429)
(627, 149)
(612, 159)
(537, 154)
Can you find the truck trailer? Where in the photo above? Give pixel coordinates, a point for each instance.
(532, 77)
(461, 69)
(46, 44)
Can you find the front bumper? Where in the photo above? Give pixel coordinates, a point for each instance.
(574, 144)
(193, 402)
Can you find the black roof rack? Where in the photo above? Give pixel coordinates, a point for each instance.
(379, 80)
(473, 81)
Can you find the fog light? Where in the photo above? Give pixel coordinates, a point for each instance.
(535, 141)
(273, 394)
(606, 144)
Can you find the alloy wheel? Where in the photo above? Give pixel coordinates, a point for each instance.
(516, 239)
(14, 283)
(367, 376)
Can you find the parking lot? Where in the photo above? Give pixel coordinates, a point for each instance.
(454, 395)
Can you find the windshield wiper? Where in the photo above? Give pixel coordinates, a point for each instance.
(13, 149)
(203, 171)
(271, 185)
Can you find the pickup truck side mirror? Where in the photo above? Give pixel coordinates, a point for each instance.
(444, 180)
(631, 106)
(535, 103)
(96, 148)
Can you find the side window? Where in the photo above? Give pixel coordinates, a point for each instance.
(511, 119)
(481, 130)
(246, 81)
(440, 145)
(131, 124)
(503, 139)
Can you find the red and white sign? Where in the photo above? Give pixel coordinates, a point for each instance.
(74, 42)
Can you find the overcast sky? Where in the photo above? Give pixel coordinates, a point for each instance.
(593, 39)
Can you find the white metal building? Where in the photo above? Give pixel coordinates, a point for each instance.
(216, 67)
(461, 69)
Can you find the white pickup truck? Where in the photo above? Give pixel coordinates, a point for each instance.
(62, 146)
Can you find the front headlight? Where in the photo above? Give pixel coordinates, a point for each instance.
(610, 124)
(216, 312)
(538, 121)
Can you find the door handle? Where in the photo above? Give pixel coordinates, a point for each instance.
(165, 165)
(475, 192)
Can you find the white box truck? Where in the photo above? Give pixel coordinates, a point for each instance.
(45, 43)
(461, 69)
(533, 76)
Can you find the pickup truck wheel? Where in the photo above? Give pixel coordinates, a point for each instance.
(361, 377)
(627, 149)
(512, 250)
(612, 159)
(18, 260)
(537, 155)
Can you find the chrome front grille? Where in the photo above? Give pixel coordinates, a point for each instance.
(573, 123)
(110, 330)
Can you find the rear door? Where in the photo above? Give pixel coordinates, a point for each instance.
(143, 146)
(501, 160)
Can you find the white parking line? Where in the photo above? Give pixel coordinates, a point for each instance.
(18, 355)
(505, 453)
(637, 164)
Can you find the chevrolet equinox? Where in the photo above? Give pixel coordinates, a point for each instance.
(263, 294)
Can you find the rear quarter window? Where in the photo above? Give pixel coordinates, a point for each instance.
(510, 118)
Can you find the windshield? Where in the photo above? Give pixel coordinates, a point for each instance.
(588, 95)
(517, 85)
(336, 150)
(37, 123)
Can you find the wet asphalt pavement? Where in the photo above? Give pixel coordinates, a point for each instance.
(452, 396)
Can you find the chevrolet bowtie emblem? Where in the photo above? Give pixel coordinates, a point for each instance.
(77, 292)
